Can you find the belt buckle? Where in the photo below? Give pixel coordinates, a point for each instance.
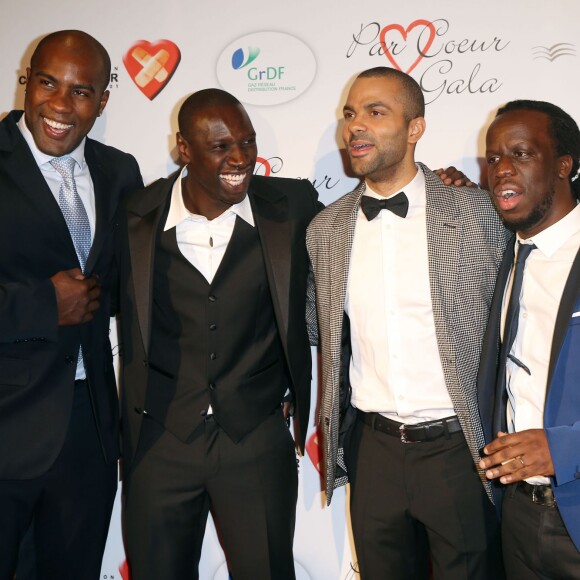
(402, 433)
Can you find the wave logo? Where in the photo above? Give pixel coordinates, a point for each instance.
(239, 59)
(551, 53)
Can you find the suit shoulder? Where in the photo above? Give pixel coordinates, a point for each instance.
(145, 196)
(346, 203)
(283, 184)
(112, 153)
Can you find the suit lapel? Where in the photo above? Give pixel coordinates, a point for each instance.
(569, 297)
(339, 251)
(103, 197)
(143, 217)
(271, 217)
(443, 238)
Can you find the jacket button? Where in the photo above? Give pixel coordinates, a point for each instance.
(212, 356)
(212, 387)
(212, 326)
(69, 359)
(212, 298)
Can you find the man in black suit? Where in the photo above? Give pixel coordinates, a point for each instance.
(58, 409)
(213, 296)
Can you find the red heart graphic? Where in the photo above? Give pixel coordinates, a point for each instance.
(313, 450)
(124, 571)
(423, 51)
(151, 65)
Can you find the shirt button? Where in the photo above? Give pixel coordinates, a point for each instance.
(212, 326)
(212, 298)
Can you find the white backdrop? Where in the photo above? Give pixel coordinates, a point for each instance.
(291, 65)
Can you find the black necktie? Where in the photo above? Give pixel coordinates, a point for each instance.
(513, 311)
(371, 206)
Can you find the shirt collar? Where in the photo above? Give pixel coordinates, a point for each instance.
(550, 240)
(414, 190)
(42, 159)
(179, 213)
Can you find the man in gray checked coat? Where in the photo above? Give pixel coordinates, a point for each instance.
(403, 289)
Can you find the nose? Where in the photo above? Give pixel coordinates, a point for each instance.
(61, 101)
(504, 167)
(237, 158)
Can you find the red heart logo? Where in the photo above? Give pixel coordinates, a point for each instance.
(124, 571)
(313, 450)
(422, 51)
(151, 65)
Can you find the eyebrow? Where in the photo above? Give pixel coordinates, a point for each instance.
(373, 105)
(56, 81)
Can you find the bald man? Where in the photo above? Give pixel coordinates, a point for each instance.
(59, 192)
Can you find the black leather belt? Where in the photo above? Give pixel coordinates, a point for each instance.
(540, 494)
(426, 431)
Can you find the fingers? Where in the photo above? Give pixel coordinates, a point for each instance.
(518, 456)
(77, 297)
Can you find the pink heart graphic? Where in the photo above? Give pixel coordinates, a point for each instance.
(423, 51)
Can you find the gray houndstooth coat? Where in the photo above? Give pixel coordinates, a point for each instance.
(466, 241)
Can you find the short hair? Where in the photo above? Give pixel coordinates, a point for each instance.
(78, 41)
(200, 100)
(563, 131)
(412, 97)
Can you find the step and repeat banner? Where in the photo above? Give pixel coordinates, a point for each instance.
(291, 65)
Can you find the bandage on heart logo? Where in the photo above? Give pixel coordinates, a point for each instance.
(421, 50)
(151, 65)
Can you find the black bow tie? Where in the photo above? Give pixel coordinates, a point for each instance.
(371, 206)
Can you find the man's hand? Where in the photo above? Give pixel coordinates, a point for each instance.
(452, 176)
(77, 297)
(518, 456)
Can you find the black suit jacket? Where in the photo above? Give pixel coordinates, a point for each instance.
(37, 357)
(282, 209)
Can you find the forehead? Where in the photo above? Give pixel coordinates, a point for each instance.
(222, 120)
(79, 59)
(386, 90)
(520, 126)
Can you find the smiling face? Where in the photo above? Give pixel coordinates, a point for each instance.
(379, 137)
(527, 179)
(219, 146)
(64, 94)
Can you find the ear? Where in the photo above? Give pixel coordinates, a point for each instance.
(27, 74)
(417, 127)
(104, 101)
(564, 166)
(182, 148)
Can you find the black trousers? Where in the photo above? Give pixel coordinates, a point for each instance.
(413, 501)
(250, 487)
(71, 506)
(536, 544)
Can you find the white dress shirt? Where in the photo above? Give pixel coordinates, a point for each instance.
(53, 178)
(203, 242)
(395, 367)
(545, 274)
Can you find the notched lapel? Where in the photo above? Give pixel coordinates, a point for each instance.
(103, 191)
(569, 297)
(142, 233)
(271, 219)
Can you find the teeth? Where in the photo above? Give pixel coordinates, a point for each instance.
(233, 178)
(56, 124)
(507, 194)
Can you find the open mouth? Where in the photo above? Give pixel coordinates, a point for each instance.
(233, 179)
(56, 127)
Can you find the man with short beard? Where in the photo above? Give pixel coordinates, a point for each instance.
(403, 284)
(529, 396)
(59, 192)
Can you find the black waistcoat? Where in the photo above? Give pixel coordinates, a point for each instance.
(214, 343)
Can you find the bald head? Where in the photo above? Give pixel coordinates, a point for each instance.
(81, 43)
(200, 101)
